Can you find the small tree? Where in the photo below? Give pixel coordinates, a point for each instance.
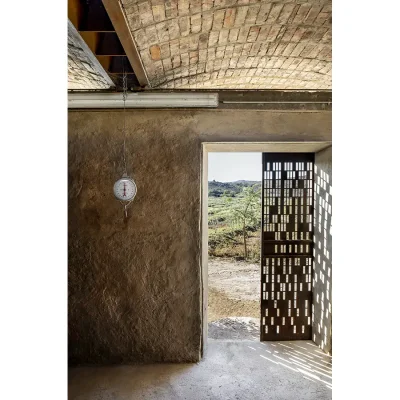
(247, 210)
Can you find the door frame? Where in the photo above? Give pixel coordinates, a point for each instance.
(233, 147)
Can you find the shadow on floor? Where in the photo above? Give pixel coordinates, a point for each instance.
(241, 370)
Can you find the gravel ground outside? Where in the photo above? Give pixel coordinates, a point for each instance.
(233, 299)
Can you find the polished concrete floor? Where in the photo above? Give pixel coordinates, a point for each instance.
(230, 370)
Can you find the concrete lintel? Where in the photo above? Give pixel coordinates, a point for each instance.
(267, 147)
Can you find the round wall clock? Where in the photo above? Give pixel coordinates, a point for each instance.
(125, 189)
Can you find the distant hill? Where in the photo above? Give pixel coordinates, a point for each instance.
(217, 189)
(247, 183)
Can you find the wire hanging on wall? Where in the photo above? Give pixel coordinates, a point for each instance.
(125, 188)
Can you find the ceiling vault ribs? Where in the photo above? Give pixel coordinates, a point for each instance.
(280, 73)
(308, 32)
(194, 44)
(243, 6)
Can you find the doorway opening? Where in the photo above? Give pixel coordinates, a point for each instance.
(234, 232)
(220, 275)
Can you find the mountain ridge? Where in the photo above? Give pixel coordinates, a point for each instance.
(217, 189)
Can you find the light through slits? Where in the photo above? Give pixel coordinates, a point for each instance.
(308, 360)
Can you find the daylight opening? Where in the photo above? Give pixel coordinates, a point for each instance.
(234, 232)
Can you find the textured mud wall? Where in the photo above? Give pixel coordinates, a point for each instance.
(135, 285)
(322, 282)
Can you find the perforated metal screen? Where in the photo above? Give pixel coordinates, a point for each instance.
(287, 246)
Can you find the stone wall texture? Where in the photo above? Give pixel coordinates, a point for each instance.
(135, 284)
(84, 71)
(322, 280)
(240, 44)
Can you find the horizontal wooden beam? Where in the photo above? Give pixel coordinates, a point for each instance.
(91, 39)
(118, 19)
(109, 45)
(80, 42)
(119, 65)
(105, 62)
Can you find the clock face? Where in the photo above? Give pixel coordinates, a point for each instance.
(125, 189)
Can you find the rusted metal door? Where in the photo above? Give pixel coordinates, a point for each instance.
(286, 246)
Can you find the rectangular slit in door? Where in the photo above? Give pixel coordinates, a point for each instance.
(287, 246)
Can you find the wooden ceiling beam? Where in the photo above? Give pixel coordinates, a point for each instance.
(118, 19)
(120, 64)
(105, 62)
(94, 25)
(109, 45)
(74, 12)
(94, 17)
(91, 39)
(115, 64)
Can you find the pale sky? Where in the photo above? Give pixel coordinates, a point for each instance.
(230, 167)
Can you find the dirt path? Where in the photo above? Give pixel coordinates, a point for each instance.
(235, 328)
(233, 299)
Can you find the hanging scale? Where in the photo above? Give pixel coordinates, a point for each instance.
(125, 188)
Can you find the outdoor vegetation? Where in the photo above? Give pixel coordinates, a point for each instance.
(234, 219)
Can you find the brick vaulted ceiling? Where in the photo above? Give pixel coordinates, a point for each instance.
(233, 44)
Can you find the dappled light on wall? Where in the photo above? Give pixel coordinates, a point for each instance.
(322, 268)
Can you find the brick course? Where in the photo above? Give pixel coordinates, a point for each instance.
(241, 44)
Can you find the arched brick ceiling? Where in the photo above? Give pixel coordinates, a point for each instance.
(234, 44)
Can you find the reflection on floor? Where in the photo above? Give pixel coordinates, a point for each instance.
(230, 370)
